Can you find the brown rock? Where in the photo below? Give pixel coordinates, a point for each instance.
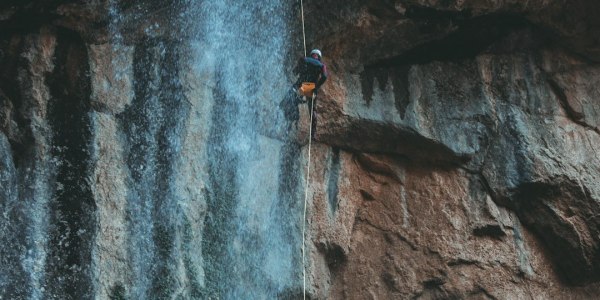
(422, 237)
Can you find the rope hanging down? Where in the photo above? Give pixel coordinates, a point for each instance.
(303, 32)
(305, 201)
(307, 168)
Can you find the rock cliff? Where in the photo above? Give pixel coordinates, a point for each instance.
(151, 149)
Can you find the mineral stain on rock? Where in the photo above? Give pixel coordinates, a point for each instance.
(72, 206)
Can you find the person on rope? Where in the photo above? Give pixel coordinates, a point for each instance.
(312, 73)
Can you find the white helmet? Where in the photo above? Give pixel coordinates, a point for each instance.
(317, 52)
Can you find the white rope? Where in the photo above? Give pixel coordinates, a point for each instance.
(307, 169)
(303, 32)
(312, 99)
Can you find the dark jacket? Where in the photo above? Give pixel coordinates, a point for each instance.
(311, 70)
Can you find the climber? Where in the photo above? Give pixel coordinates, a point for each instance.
(312, 73)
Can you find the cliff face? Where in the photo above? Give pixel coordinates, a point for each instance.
(142, 155)
(464, 157)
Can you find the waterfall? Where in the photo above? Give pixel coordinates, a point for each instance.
(216, 89)
(251, 244)
(156, 163)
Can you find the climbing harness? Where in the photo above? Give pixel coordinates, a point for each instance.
(307, 89)
(307, 168)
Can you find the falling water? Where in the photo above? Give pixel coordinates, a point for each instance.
(251, 246)
(190, 188)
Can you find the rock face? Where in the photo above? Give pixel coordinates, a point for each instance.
(486, 167)
(147, 152)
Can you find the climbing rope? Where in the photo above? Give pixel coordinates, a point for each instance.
(307, 168)
(303, 31)
(306, 198)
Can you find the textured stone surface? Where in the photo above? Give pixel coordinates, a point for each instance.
(111, 76)
(26, 61)
(405, 231)
(111, 264)
(504, 130)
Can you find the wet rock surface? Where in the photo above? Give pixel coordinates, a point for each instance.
(455, 154)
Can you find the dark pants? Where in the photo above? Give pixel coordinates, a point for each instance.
(289, 106)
